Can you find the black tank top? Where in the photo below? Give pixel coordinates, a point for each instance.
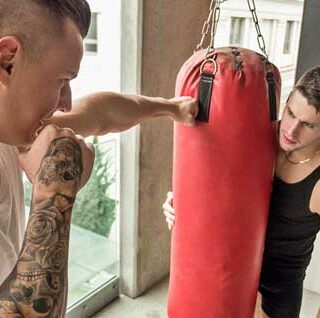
(291, 232)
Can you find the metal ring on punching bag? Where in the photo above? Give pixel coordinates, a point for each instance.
(206, 61)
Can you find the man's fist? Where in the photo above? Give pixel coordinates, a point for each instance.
(58, 150)
(187, 110)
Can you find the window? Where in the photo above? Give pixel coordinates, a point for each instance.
(94, 242)
(93, 260)
(91, 41)
(237, 31)
(287, 48)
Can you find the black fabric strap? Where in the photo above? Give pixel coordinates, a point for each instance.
(205, 92)
(272, 96)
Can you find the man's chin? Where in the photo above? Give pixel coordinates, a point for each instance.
(25, 142)
(286, 148)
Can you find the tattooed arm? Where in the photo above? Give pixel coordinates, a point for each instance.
(37, 287)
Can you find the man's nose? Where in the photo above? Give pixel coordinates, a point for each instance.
(65, 103)
(294, 128)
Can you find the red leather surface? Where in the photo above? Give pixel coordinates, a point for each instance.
(222, 184)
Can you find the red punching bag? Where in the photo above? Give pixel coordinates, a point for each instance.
(222, 181)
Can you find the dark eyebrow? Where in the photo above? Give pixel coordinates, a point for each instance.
(304, 122)
(307, 123)
(290, 110)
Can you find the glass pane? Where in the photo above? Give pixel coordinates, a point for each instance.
(93, 257)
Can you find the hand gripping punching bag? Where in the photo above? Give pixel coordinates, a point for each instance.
(222, 181)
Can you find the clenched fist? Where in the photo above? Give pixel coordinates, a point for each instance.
(187, 110)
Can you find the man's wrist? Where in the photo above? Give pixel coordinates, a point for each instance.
(168, 107)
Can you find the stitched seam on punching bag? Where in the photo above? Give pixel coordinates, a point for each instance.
(238, 63)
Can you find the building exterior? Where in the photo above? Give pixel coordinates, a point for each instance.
(280, 23)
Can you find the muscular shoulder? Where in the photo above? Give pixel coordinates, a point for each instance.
(315, 199)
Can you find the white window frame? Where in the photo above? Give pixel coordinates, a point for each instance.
(288, 37)
(242, 23)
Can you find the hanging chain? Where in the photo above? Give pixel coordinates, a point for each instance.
(211, 22)
(214, 24)
(206, 26)
(260, 38)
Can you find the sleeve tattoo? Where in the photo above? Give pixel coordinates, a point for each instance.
(37, 286)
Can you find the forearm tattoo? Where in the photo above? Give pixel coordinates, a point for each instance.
(37, 286)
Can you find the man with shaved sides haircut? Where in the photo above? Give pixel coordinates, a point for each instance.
(41, 47)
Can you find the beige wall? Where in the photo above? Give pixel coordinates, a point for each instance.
(171, 30)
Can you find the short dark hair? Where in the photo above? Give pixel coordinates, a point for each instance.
(309, 86)
(77, 10)
(33, 21)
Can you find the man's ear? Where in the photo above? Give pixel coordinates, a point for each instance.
(9, 47)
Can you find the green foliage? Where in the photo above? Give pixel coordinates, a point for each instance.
(93, 209)
(27, 192)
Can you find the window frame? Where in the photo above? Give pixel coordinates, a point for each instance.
(288, 37)
(239, 33)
